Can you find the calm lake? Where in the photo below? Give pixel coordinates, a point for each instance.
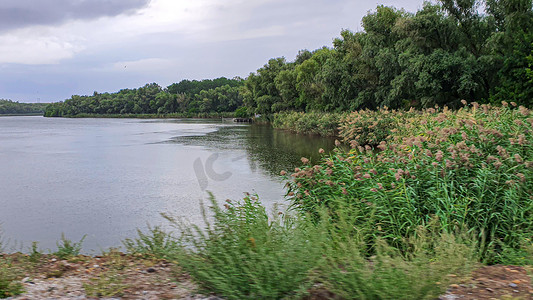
(106, 177)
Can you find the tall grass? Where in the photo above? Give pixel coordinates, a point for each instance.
(472, 168)
(433, 261)
(245, 254)
(156, 242)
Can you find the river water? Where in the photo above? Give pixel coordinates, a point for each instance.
(104, 178)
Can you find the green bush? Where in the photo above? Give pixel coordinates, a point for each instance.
(370, 127)
(324, 124)
(241, 112)
(434, 261)
(156, 242)
(67, 249)
(245, 255)
(472, 168)
(9, 280)
(521, 256)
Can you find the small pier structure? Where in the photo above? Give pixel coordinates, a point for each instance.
(243, 120)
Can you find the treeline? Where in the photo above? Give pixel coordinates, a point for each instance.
(439, 55)
(445, 52)
(8, 107)
(186, 97)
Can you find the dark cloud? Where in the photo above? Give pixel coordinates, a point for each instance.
(21, 13)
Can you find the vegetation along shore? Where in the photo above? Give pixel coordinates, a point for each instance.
(423, 199)
(8, 107)
(433, 198)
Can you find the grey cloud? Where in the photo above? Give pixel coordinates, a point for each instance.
(307, 24)
(22, 13)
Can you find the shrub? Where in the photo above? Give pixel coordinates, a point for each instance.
(241, 112)
(324, 124)
(370, 127)
(434, 260)
(244, 255)
(67, 249)
(157, 243)
(9, 280)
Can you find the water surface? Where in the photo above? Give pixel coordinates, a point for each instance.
(106, 177)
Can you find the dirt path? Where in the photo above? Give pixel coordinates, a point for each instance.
(494, 282)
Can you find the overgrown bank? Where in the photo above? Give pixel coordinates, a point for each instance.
(423, 198)
(217, 115)
(471, 168)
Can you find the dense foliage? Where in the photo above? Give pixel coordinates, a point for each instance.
(439, 55)
(471, 168)
(8, 107)
(316, 123)
(186, 97)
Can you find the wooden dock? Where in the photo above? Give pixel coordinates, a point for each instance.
(243, 120)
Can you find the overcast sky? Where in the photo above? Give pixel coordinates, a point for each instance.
(52, 49)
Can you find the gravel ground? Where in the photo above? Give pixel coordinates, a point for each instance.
(493, 282)
(120, 276)
(116, 276)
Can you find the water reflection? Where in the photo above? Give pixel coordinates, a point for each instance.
(276, 150)
(267, 149)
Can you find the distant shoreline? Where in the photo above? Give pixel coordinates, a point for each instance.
(224, 115)
(21, 115)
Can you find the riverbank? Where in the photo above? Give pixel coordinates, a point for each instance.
(20, 115)
(156, 116)
(14, 108)
(110, 275)
(133, 276)
(310, 123)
